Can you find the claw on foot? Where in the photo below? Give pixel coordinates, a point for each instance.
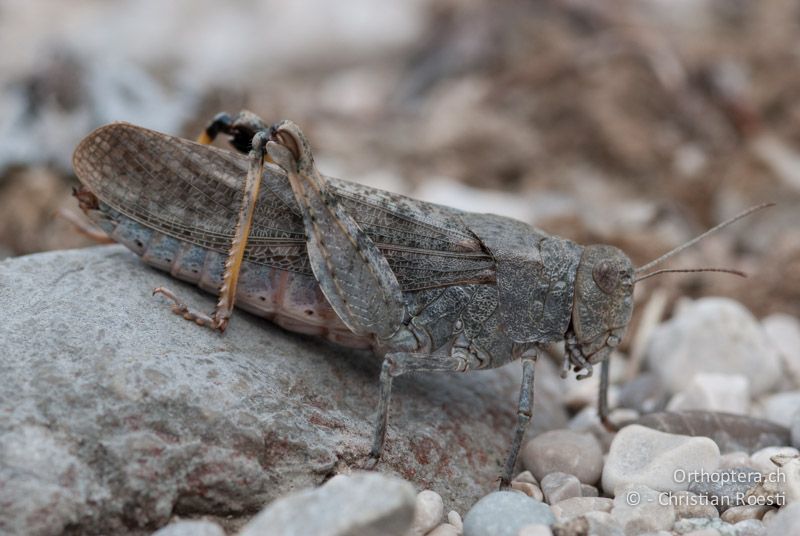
(181, 309)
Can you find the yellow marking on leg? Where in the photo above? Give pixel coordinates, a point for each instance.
(233, 266)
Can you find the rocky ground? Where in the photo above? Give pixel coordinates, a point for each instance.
(124, 418)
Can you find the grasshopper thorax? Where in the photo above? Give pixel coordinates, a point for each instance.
(603, 304)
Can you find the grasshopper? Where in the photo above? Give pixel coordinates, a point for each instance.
(425, 286)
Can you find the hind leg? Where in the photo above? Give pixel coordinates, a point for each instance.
(230, 278)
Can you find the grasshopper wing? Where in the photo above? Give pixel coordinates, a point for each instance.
(192, 192)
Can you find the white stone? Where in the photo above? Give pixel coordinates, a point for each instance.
(454, 518)
(427, 513)
(714, 392)
(564, 451)
(190, 528)
(761, 459)
(735, 514)
(784, 333)
(535, 530)
(445, 529)
(730, 460)
(689, 504)
(785, 521)
(531, 490)
(713, 335)
(560, 486)
(781, 407)
(578, 506)
(640, 509)
(368, 502)
(641, 455)
(503, 513)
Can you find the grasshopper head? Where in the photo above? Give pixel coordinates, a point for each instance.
(603, 304)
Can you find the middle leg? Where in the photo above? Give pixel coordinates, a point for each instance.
(400, 363)
(524, 414)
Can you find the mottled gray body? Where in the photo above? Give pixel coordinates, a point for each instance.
(177, 208)
(428, 287)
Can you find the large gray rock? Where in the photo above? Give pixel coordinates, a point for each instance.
(364, 504)
(116, 414)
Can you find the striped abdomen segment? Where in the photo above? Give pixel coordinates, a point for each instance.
(290, 300)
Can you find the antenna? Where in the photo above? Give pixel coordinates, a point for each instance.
(684, 270)
(696, 239)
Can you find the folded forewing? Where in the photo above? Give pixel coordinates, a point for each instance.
(192, 192)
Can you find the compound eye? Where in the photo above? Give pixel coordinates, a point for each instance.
(606, 276)
(613, 341)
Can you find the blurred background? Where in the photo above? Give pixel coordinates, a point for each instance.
(638, 124)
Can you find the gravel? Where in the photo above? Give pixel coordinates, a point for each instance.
(503, 513)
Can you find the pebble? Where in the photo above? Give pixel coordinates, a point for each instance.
(535, 530)
(735, 514)
(587, 421)
(560, 486)
(361, 503)
(703, 532)
(589, 491)
(692, 524)
(767, 519)
(621, 417)
(785, 521)
(750, 527)
(191, 528)
(714, 392)
(784, 333)
(427, 512)
(780, 408)
(734, 459)
(603, 524)
(454, 518)
(645, 393)
(710, 335)
(762, 461)
(726, 488)
(503, 513)
(527, 484)
(641, 455)
(578, 506)
(564, 451)
(526, 476)
(445, 529)
(638, 509)
(795, 430)
(531, 490)
(689, 504)
(785, 484)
